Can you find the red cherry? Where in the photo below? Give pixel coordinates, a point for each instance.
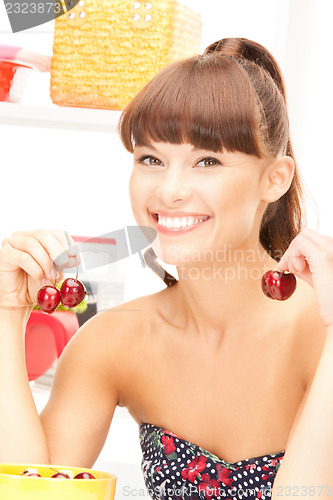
(72, 292)
(48, 298)
(264, 284)
(84, 475)
(278, 285)
(60, 475)
(29, 473)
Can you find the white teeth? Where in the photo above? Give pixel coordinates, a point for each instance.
(178, 222)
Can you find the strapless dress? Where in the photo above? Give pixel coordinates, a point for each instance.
(175, 469)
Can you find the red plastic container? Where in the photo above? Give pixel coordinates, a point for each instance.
(45, 339)
(13, 79)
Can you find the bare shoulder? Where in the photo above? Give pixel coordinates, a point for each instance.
(132, 316)
(112, 335)
(118, 325)
(309, 330)
(103, 345)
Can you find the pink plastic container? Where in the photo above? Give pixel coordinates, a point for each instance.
(45, 338)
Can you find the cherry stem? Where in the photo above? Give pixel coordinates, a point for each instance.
(55, 279)
(77, 267)
(55, 470)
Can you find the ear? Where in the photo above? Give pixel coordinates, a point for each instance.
(278, 178)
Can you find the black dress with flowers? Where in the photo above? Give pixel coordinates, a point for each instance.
(176, 469)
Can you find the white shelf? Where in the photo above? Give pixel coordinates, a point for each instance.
(53, 116)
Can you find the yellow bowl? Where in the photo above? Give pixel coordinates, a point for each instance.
(15, 487)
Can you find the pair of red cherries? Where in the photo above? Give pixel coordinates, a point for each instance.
(71, 294)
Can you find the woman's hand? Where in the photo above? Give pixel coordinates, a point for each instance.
(31, 259)
(310, 257)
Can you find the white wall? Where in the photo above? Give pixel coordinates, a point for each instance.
(78, 180)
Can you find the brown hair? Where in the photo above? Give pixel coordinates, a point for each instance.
(231, 97)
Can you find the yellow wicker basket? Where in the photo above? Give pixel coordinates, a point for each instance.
(105, 51)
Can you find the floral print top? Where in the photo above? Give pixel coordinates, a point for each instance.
(175, 469)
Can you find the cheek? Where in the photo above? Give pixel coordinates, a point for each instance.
(234, 198)
(132, 187)
(139, 194)
(135, 189)
(236, 207)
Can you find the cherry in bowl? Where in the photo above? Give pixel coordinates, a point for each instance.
(84, 475)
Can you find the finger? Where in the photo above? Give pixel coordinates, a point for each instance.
(303, 248)
(303, 258)
(47, 240)
(296, 258)
(293, 263)
(32, 246)
(65, 239)
(70, 257)
(17, 258)
(57, 244)
(302, 270)
(323, 241)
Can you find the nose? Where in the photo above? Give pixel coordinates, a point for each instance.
(174, 186)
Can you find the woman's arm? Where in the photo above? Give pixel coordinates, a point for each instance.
(73, 426)
(22, 435)
(308, 458)
(85, 390)
(307, 468)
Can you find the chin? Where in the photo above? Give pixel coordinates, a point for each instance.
(176, 255)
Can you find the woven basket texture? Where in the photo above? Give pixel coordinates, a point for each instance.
(104, 62)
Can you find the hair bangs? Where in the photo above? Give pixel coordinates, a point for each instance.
(207, 101)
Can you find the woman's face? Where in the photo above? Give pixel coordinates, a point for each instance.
(197, 200)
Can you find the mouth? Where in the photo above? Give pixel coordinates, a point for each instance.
(181, 224)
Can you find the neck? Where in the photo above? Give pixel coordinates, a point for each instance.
(218, 295)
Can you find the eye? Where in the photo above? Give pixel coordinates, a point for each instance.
(208, 162)
(149, 160)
